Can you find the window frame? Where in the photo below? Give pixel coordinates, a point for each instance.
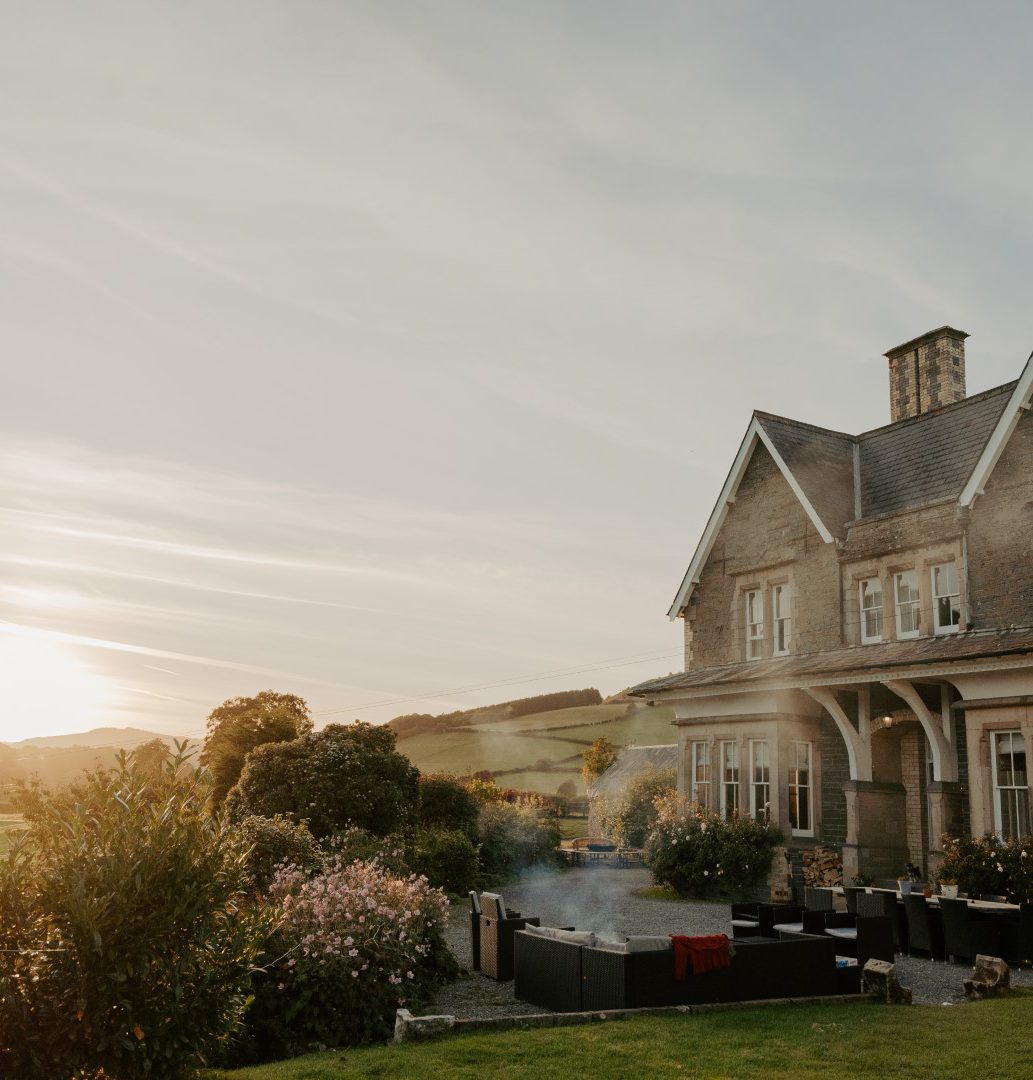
(728, 786)
(695, 784)
(754, 639)
(913, 605)
(1023, 818)
(948, 628)
(755, 784)
(867, 639)
(782, 625)
(796, 786)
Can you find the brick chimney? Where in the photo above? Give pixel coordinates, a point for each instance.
(927, 372)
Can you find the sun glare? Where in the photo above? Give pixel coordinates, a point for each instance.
(46, 690)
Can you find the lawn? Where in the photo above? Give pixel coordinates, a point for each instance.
(987, 1039)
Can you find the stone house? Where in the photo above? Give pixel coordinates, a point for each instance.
(859, 623)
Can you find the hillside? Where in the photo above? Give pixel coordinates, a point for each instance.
(58, 759)
(539, 751)
(124, 738)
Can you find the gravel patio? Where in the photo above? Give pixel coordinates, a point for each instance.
(598, 898)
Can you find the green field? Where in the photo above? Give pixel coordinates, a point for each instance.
(557, 719)
(814, 1042)
(10, 826)
(518, 748)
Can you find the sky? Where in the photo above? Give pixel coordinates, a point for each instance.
(393, 354)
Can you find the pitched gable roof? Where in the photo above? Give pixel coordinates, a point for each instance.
(756, 434)
(822, 462)
(928, 457)
(840, 478)
(1020, 401)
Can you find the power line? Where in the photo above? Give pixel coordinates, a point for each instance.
(555, 674)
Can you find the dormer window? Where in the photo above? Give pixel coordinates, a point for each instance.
(905, 588)
(871, 610)
(946, 599)
(780, 598)
(754, 625)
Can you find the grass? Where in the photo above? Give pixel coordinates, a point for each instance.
(10, 825)
(572, 827)
(522, 743)
(776, 1043)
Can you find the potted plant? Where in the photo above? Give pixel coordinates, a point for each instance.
(949, 887)
(911, 875)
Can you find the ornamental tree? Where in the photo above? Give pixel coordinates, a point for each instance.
(345, 774)
(241, 724)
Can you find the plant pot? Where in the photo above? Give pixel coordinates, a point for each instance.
(904, 888)
(949, 891)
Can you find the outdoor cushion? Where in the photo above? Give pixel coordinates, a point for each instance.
(613, 946)
(745, 922)
(648, 943)
(572, 937)
(789, 927)
(847, 933)
(487, 907)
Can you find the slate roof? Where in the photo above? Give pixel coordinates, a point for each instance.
(822, 462)
(928, 457)
(632, 761)
(974, 644)
(904, 465)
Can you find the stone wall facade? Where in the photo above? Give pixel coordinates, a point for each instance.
(1000, 538)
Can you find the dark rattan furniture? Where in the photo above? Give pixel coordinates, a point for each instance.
(967, 933)
(886, 903)
(497, 927)
(475, 931)
(1017, 934)
(548, 971)
(745, 920)
(924, 929)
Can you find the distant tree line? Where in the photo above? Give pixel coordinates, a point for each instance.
(422, 723)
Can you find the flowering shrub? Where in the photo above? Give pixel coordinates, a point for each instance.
(699, 854)
(512, 838)
(630, 816)
(355, 942)
(989, 865)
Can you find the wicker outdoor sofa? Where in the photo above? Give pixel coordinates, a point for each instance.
(566, 977)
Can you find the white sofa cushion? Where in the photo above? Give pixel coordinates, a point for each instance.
(572, 937)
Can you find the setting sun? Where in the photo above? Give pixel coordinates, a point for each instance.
(47, 690)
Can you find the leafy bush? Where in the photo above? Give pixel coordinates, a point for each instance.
(598, 758)
(241, 724)
(630, 816)
(354, 943)
(126, 933)
(699, 854)
(274, 841)
(445, 803)
(447, 858)
(512, 838)
(485, 791)
(989, 865)
(342, 775)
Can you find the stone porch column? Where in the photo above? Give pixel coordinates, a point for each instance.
(876, 840)
(946, 815)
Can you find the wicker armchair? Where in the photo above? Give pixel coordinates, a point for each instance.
(497, 927)
(966, 933)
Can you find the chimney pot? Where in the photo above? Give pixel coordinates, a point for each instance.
(927, 373)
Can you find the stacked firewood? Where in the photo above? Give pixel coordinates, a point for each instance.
(822, 868)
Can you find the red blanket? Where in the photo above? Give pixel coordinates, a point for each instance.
(703, 954)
